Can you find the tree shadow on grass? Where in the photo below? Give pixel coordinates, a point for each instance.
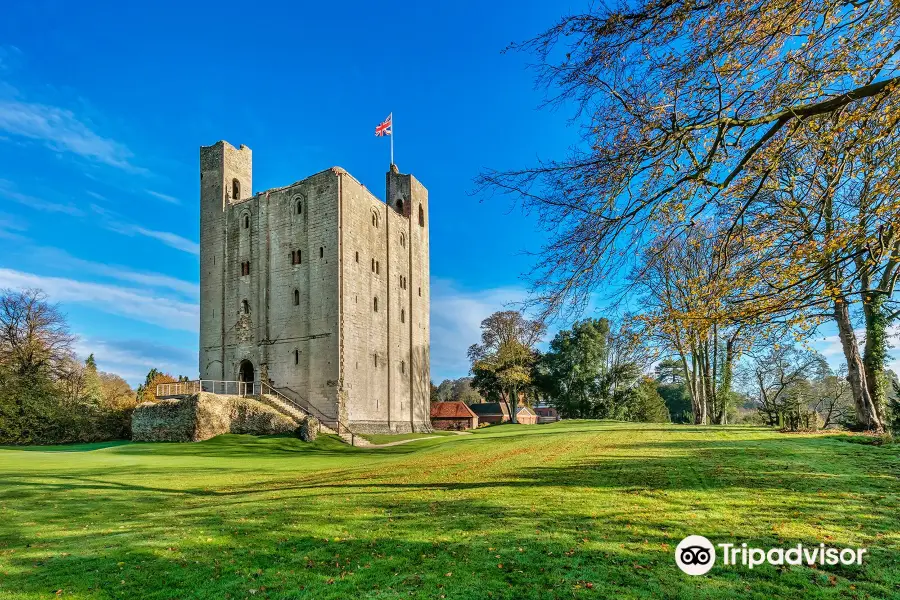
(376, 546)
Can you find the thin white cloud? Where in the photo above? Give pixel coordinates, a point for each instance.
(10, 57)
(63, 260)
(114, 222)
(9, 191)
(11, 228)
(170, 239)
(95, 195)
(132, 359)
(456, 318)
(61, 130)
(134, 303)
(831, 349)
(164, 197)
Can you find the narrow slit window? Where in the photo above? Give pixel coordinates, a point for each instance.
(375, 304)
(402, 315)
(357, 257)
(246, 221)
(245, 307)
(403, 366)
(321, 251)
(299, 207)
(235, 189)
(421, 216)
(296, 297)
(296, 357)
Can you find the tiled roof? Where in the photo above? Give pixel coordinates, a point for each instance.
(487, 409)
(525, 410)
(449, 410)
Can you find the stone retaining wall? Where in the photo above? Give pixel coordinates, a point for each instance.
(203, 416)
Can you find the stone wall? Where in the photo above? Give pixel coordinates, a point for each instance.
(203, 416)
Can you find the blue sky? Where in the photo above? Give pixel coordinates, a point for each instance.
(103, 107)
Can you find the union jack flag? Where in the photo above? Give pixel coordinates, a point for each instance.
(385, 127)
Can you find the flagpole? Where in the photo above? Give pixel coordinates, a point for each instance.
(392, 138)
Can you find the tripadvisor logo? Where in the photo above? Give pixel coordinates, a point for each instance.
(696, 555)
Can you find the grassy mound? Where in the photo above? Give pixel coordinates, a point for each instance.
(567, 510)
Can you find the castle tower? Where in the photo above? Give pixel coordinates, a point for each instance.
(226, 176)
(319, 289)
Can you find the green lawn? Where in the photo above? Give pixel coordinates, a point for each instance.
(568, 510)
(383, 438)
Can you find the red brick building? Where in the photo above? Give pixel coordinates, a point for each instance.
(546, 414)
(526, 416)
(452, 416)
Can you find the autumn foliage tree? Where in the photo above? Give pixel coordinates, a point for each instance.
(696, 111)
(503, 361)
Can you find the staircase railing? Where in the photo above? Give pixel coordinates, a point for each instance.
(264, 388)
(322, 417)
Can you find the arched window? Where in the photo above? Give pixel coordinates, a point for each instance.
(245, 307)
(296, 297)
(374, 219)
(235, 189)
(246, 221)
(375, 305)
(403, 240)
(400, 205)
(403, 315)
(299, 207)
(421, 216)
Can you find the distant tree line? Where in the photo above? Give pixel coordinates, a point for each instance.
(588, 372)
(48, 395)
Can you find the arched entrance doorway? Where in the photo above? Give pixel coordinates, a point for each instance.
(246, 373)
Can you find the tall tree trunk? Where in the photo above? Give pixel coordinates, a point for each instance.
(875, 350)
(690, 378)
(725, 388)
(856, 374)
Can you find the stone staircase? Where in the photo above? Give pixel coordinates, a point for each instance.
(287, 408)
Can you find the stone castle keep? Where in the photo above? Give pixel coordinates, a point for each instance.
(319, 289)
